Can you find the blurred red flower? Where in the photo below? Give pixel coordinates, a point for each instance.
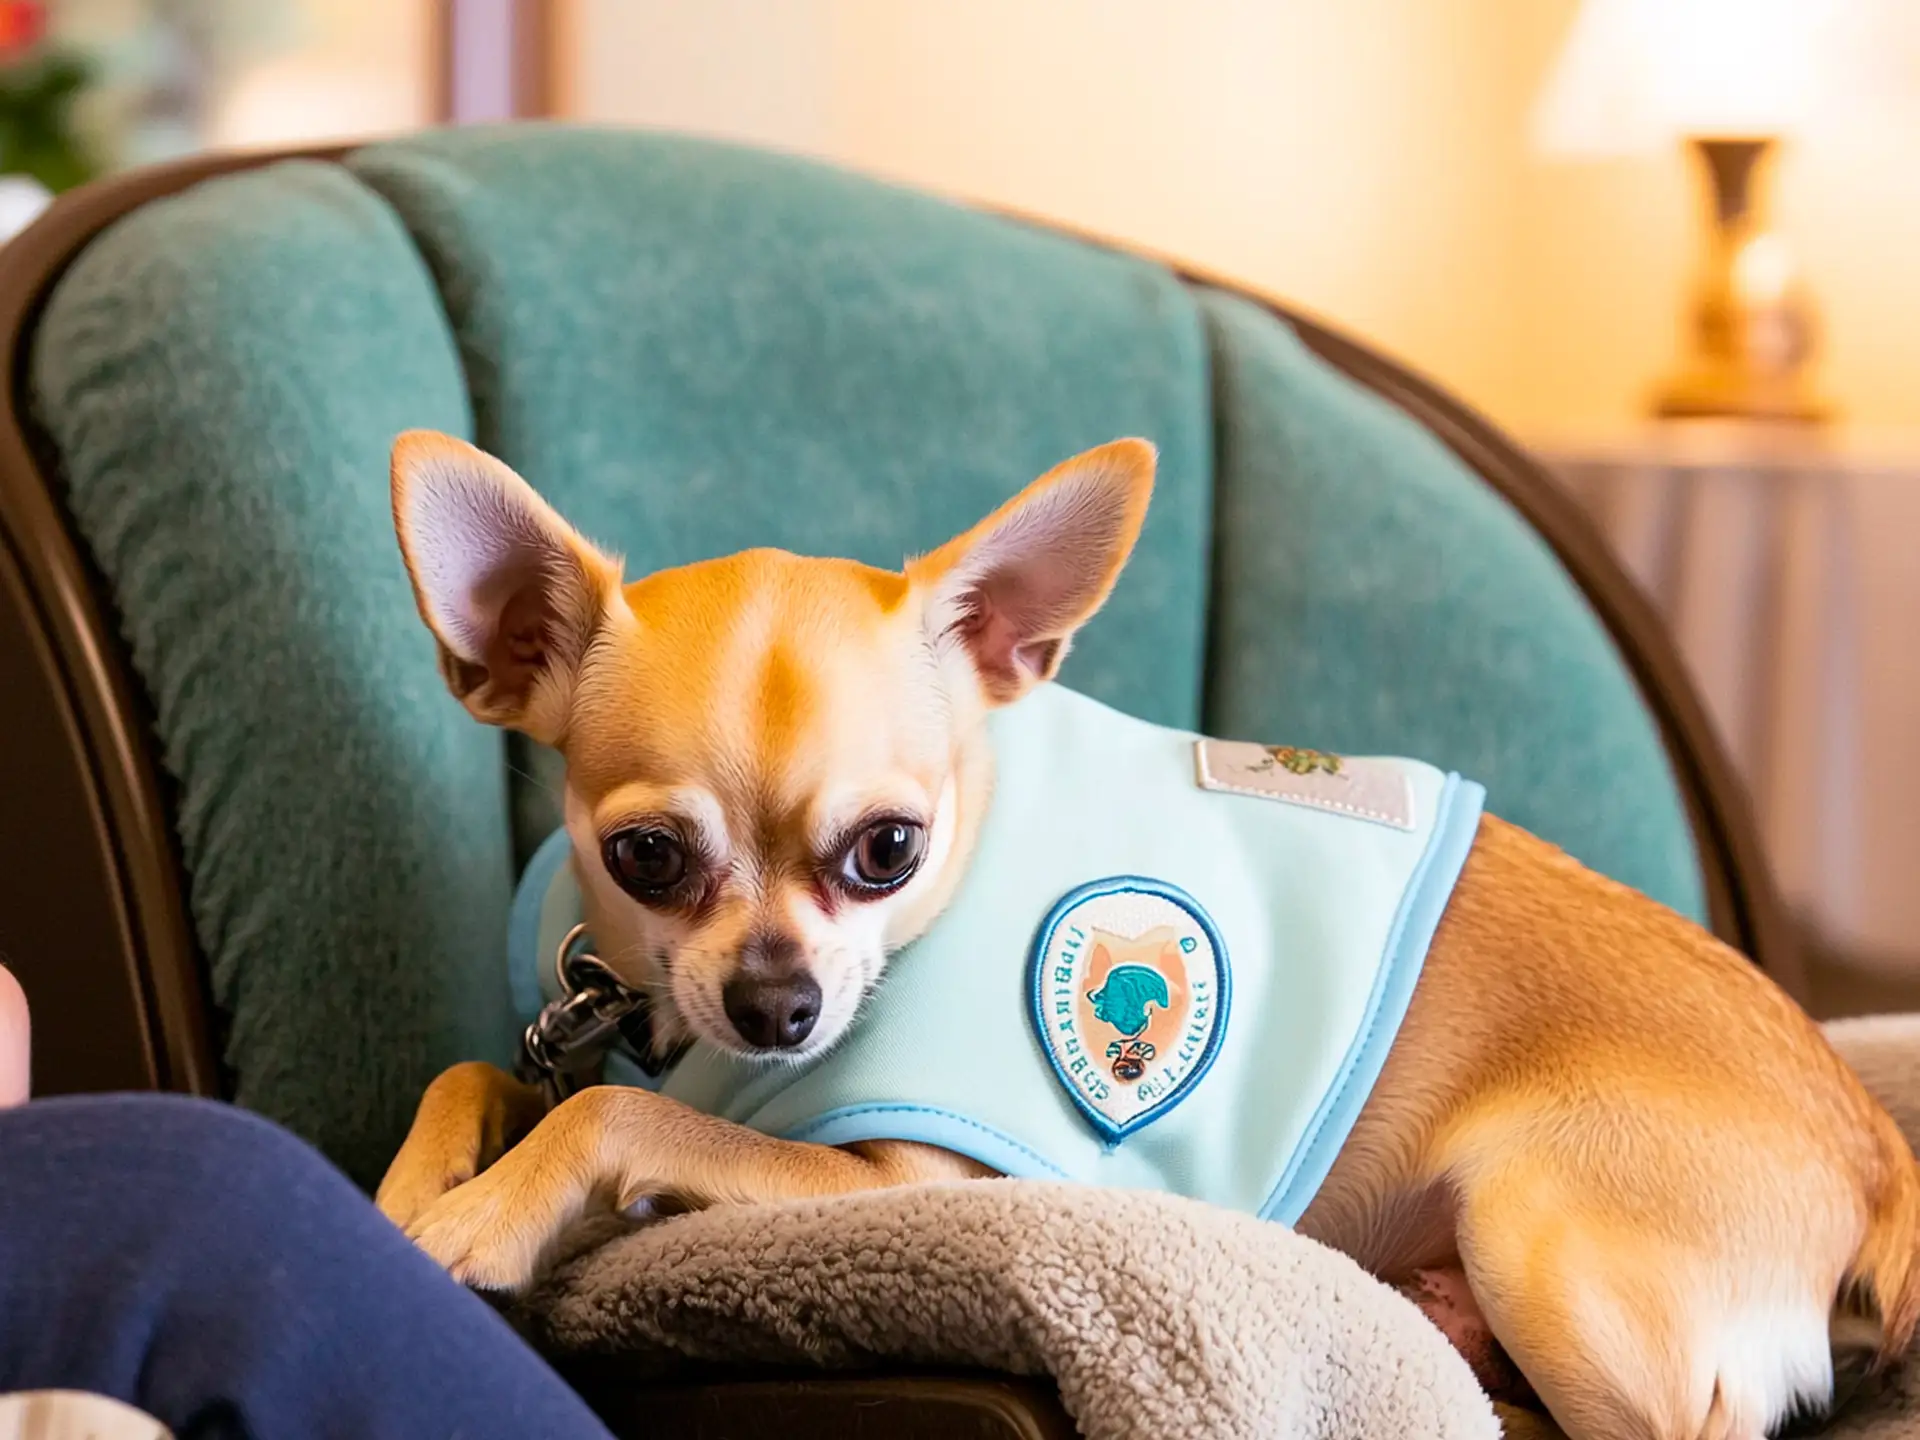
(22, 24)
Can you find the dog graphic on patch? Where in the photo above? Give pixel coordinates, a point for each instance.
(1139, 993)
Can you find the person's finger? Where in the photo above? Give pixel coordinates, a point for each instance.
(15, 1044)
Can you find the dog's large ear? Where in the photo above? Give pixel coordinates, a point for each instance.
(508, 588)
(1015, 588)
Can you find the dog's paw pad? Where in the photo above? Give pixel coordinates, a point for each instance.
(475, 1242)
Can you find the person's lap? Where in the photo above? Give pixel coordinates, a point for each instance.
(201, 1264)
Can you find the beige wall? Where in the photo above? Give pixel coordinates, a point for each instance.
(1367, 159)
(1344, 155)
(350, 68)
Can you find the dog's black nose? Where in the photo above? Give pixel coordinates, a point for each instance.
(772, 1014)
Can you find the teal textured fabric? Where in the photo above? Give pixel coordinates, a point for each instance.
(222, 374)
(691, 349)
(1372, 596)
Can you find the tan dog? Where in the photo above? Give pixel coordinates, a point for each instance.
(1663, 1186)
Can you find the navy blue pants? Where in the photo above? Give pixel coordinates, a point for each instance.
(201, 1264)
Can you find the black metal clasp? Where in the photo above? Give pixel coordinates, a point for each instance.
(562, 1050)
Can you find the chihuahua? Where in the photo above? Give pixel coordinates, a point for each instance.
(1670, 1199)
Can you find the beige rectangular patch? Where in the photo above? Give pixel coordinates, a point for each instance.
(1367, 788)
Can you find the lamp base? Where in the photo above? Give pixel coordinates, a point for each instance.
(1734, 392)
(1751, 329)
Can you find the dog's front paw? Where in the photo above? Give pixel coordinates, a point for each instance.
(410, 1190)
(490, 1235)
(468, 1116)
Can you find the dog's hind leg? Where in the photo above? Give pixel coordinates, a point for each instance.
(1635, 1331)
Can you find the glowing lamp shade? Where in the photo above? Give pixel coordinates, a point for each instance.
(1730, 78)
(1635, 75)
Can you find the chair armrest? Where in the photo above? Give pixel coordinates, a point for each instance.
(838, 1407)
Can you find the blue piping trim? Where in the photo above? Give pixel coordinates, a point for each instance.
(928, 1125)
(523, 924)
(1405, 955)
(1036, 1008)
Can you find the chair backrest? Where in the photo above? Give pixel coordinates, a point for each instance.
(692, 348)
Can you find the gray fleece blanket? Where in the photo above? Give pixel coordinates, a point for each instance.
(1153, 1315)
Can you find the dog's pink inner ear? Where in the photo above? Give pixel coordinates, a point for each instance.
(497, 592)
(519, 645)
(1035, 578)
(1014, 588)
(998, 620)
(1100, 957)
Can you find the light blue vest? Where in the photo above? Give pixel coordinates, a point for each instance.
(1174, 963)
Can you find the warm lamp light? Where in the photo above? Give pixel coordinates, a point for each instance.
(1731, 78)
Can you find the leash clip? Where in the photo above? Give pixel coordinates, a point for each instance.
(561, 1051)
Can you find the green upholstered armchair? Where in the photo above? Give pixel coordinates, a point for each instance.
(250, 847)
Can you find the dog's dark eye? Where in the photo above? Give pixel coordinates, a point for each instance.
(885, 855)
(648, 862)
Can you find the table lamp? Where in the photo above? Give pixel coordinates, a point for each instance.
(1731, 79)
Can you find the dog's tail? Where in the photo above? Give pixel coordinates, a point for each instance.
(1884, 1279)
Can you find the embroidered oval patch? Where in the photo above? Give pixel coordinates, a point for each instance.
(1129, 988)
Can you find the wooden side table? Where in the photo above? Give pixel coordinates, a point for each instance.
(1788, 563)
